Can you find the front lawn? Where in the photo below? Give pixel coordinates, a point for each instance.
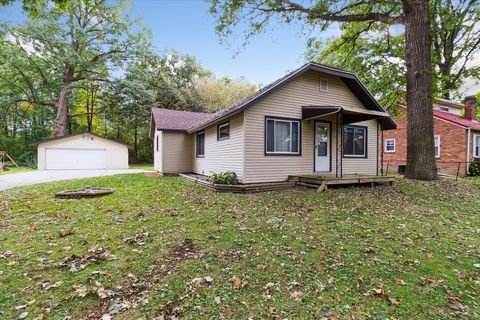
(164, 246)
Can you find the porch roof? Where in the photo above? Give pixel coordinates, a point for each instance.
(350, 115)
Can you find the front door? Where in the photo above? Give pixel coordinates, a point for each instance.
(322, 146)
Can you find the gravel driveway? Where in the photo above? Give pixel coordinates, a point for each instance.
(13, 180)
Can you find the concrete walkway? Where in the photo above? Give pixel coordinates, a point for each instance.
(13, 180)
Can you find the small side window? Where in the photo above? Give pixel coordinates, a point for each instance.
(157, 144)
(223, 131)
(200, 144)
(389, 146)
(323, 85)
(437, 146)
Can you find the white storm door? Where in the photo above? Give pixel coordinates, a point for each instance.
(322, 146)
(75, 159)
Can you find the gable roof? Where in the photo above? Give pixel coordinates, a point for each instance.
(36, 143)
(166, 119)
(453, 118)
(456, 119)
(350, 80)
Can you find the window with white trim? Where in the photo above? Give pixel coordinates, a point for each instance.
(437, 146)
(476, 145)
(389, 146)
(282, 136)
(200, 150)
(223, 131)
(354, 141)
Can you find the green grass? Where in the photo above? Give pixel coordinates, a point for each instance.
(406, 252)
(144, 166)
(16, 170)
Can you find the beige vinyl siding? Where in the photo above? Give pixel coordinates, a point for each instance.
(223, 155)
(158, 151)
(177, 152)
(287, 102)
(364, 165)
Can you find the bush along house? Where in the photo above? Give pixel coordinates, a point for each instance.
(456, 132)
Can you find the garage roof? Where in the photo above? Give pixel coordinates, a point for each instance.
(36, 143)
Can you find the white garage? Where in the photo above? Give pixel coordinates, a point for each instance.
(84, 151)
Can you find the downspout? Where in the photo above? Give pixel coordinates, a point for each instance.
(468, 150)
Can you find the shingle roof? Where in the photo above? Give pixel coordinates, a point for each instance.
(199, 121)
(166, 119)
(456, 119)
(453, 118)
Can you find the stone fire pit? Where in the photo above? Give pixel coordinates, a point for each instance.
(87, 192)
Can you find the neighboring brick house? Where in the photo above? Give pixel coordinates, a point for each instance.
(457, 137)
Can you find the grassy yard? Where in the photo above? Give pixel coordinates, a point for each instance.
(16, 170)
(163, 246)
(144, 166)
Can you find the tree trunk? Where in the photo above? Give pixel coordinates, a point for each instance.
(62, 104)
(420, 143)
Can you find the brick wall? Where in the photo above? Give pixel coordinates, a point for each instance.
(453, 146)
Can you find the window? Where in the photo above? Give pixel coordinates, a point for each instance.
(437, 146)
(201, 144)
(389, 145)
(323, 85)
(157, 143)
(354, 142)
(476, 146)
(444, 109)
(282, 136)
(223, 131)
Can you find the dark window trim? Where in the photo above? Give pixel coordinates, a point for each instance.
(288, 154)
(366, 143)
(196, 144)
(218, 131)
(329, 142)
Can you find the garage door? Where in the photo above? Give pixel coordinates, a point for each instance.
(75, 159)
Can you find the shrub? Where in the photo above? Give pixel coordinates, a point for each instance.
(475, 168)
(227, 177)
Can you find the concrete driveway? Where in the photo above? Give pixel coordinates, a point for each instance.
(13, 180)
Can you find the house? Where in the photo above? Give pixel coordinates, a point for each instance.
(85, 151)
(457, 137)
(315, 120)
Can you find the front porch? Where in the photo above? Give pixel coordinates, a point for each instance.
(323, 181)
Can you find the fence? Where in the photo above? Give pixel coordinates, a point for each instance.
(452, 168)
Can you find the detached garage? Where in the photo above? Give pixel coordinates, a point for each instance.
(83, 151)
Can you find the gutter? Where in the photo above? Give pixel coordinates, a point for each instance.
(468, 150)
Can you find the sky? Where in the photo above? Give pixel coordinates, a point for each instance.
(187, 27)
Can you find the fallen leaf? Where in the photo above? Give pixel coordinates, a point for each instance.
(400, 282)
(393, 301)
(217, 300)
(23, 315)
(67, 232)
(297, 295)
(103, 293)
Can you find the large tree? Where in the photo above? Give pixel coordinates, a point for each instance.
(377, 53)
(414, 15)
(64, 48)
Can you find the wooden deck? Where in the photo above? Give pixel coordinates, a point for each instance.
(315, 180)
(241, 188)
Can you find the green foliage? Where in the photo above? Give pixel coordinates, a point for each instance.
(475, 168)
(375, 52)
(227, 177)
